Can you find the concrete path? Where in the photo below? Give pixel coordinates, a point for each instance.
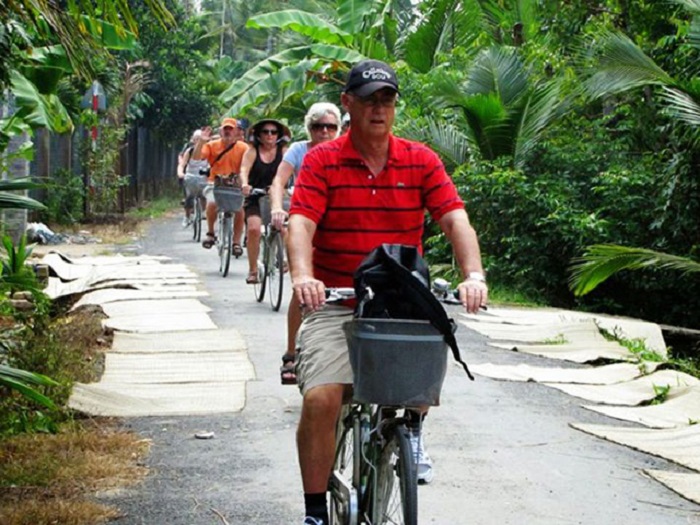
(504, 451)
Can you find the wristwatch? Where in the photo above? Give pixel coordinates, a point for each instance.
(476, 276)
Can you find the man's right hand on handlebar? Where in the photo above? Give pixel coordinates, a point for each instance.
(277, 217)
(310, 292)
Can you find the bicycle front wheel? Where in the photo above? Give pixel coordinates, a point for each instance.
(197, 220)
(396, 494)
(262, 270)
(226, 234)
(343, 494)
(275, 271)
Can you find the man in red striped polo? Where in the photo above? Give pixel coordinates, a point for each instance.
(354, 193)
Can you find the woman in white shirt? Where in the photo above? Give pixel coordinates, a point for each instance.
(322, 123)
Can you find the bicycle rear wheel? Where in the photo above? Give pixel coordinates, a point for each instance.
(225, 253)
(275, 272)
(396, 494)
(262, 270)
(343, 495)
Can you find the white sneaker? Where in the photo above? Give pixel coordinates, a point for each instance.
(424, 465)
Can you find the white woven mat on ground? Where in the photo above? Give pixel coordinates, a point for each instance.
(210, 340)
(146, 308)
(200, 367)
(680, 445)
(685, 484)
(163, 399)
(118, 267)
(113, 295)
(631, 393)
(581, 332)
(624, 327)
(160, 322)
(57, 288)
(678, 411)
(598, 375)
(574, 352)
(99, 260)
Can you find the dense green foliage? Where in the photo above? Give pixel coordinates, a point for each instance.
(565, 124)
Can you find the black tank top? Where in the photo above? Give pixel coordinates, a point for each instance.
(261, 174)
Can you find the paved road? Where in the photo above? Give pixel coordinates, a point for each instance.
(504, 452)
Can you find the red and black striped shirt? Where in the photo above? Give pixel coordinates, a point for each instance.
(356, 211)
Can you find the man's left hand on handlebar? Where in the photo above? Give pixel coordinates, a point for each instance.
(473, 294)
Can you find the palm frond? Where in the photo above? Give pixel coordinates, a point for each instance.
(601, 261)
(681, 106)
(448, 141)
(623, 66)
(538, 111)
(419, 47)
(498, 70)
(691, 5)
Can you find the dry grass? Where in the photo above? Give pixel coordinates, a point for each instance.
(119, 231)
(50, 479)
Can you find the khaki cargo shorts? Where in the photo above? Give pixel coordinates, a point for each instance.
(323, 352)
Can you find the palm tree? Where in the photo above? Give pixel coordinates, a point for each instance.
(504, 109)
(75, 25)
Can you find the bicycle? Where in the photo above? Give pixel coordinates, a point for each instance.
(271, 264)
(229, 200)
(195, 186)
(374, 478)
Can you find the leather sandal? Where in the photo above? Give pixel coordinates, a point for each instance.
(288, 374)
(236, 250)
(252, 278)
(209, 241)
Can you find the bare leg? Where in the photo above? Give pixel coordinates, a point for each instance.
(238, 225)
(316, 436)
(293, 323)
(211, 216)
(254, 225)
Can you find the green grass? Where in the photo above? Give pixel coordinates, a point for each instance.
(507, 297)
(155, 208)
(638, 347)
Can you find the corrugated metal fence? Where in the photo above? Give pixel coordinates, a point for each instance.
(147, 162)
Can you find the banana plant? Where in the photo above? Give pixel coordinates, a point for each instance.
(8, 199)
(362, 30)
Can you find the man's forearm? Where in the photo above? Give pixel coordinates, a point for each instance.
(301, 233)
(465, 243)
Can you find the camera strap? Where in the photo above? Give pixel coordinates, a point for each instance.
(226, 150)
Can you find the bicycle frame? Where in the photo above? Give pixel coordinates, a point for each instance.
(358, 499)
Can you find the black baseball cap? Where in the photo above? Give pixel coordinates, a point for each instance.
(369, 76)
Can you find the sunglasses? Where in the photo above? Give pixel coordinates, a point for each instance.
(268, 131)
(387, 101)
(318, 126)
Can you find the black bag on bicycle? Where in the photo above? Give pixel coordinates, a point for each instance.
(399, 280)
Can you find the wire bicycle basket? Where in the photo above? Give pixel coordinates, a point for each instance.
(400, 362)
(228, 199)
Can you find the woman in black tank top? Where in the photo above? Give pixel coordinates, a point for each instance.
(258, 168)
